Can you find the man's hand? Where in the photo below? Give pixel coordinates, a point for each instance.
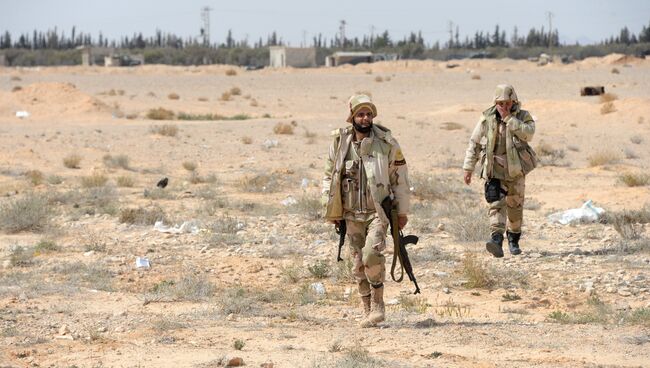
(504, 111)
(467, 177)
(402, 220)
(335, 222)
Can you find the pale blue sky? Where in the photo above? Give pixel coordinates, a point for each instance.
(587, 21)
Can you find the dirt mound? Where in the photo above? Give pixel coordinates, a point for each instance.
(47, 99)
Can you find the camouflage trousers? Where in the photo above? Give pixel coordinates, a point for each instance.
(510, 207)
(367, 241)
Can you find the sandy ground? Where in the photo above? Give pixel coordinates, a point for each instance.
(241, 286)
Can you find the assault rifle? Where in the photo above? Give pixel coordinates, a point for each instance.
(399, 243)
(341, 229)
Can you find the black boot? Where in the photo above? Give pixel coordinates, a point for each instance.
(494, 245)
(513, 243)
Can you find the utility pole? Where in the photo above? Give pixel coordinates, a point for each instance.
(451, 34)
(550, 16)
(304, 38)
(342, 30)
(205, 30)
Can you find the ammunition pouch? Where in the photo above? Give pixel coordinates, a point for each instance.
(493, 191)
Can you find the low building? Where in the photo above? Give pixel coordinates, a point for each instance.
(349, 57)
(3, 60)
(297, 57)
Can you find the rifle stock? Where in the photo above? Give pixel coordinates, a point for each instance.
(341, 229)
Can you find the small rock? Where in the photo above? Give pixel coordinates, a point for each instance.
(441, 227)
(624, 292)
(64, 330)
(119, 329)
(231, 317)
(266, 365)
(204, 249)
(446, 290)
(347, 292)
(6, 264)
(392, 302)
(102, 329)
(235, 362)
(89, 253)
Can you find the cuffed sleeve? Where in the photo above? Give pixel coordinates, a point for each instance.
(473, 151)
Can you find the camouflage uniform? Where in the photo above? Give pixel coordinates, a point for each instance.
(358, 176)
(505, 155)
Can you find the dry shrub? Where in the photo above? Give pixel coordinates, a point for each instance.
(260, 183)
(379, 79)
(607, 107)
(428, 187)
(478, 276)
(160, 114)
(173, 96)
(468, 222)
(450, 125)
(22, 257)
(603, 157)
(72, 161)
(125, 181)
(254, 103)
(637, 139)
(235, 91)
(195, 178)
(54, 179)
(630, 154)
(283, 128)
(15, 78)
(309, 206)
(634, 179)
(414, 304)
(607, 97)
(119, 161)
(615, 71)
(34, 176)
(203, 99)
(142, 216)
(94, 180)
(30, 212)
(231, 72)
(226, 96)
(548, 155)
(476, 77)
(168, 130)
(246, 140)
(189, 166)
(16, 89)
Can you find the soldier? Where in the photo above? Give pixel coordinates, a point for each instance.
(506, 158)
(365, 165)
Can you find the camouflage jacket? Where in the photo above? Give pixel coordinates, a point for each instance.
(520, 130)
(384, 164)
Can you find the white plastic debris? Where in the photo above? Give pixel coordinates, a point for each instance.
(318, 288)
(270, 143)
(186, 227)
(142, 263)
(304, 184)
(586, 213)
(22, 114)
(289, 201)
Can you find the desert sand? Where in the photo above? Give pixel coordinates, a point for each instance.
(247, 283)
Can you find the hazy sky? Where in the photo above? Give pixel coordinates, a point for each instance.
(586, 21)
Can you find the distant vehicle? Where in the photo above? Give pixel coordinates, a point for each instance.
(253, 67)
(481, 55)
(127, 60)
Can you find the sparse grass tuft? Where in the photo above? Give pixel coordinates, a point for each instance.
(416, 304)
(142, 216)
(35, 177)
(260, 183)
(478, 276)
(548, 155)
(167, 130)
(173, 96)
(238, 344)
(320, 269)
(125, 181)
(634, 179)
(379, 79)
(45, 246)
(603, 157)
(21, 257)
(636, 139)
(54, 179)
(72, 161)
(309, 206)
(94, 180)
(119, 161)
(615, 71)
(246, 140)
(283, 128)
(468, 221)
(30, 212)
(291, 273)
(476, 77)
(235, 91)
(231, 72)
(450, 125)
(226, 96)
(160, 114)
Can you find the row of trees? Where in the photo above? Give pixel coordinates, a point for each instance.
(53, 39)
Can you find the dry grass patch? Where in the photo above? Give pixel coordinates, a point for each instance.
(226, 96)
(320, 269)
(203, 99)
(415, 304)
(379, 79)
(35, 177)
(160, 114)
(603, 157)
(634, 179)
(476, 77)
(21, 257)
(246, 140)
(16, 89)
(615, 71)
(235, 91)
(450, 125)
(119, 161)
(283, 128)
(260, 183)
(142, 216)
(167, 130)
(72, 161)
(125, 181)
(478, 276)
(94, 180)
(231, 72)
(548, 155)
(30, 212)
(54, 179)
(636, 139)
(173, 96)
(309, 206)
